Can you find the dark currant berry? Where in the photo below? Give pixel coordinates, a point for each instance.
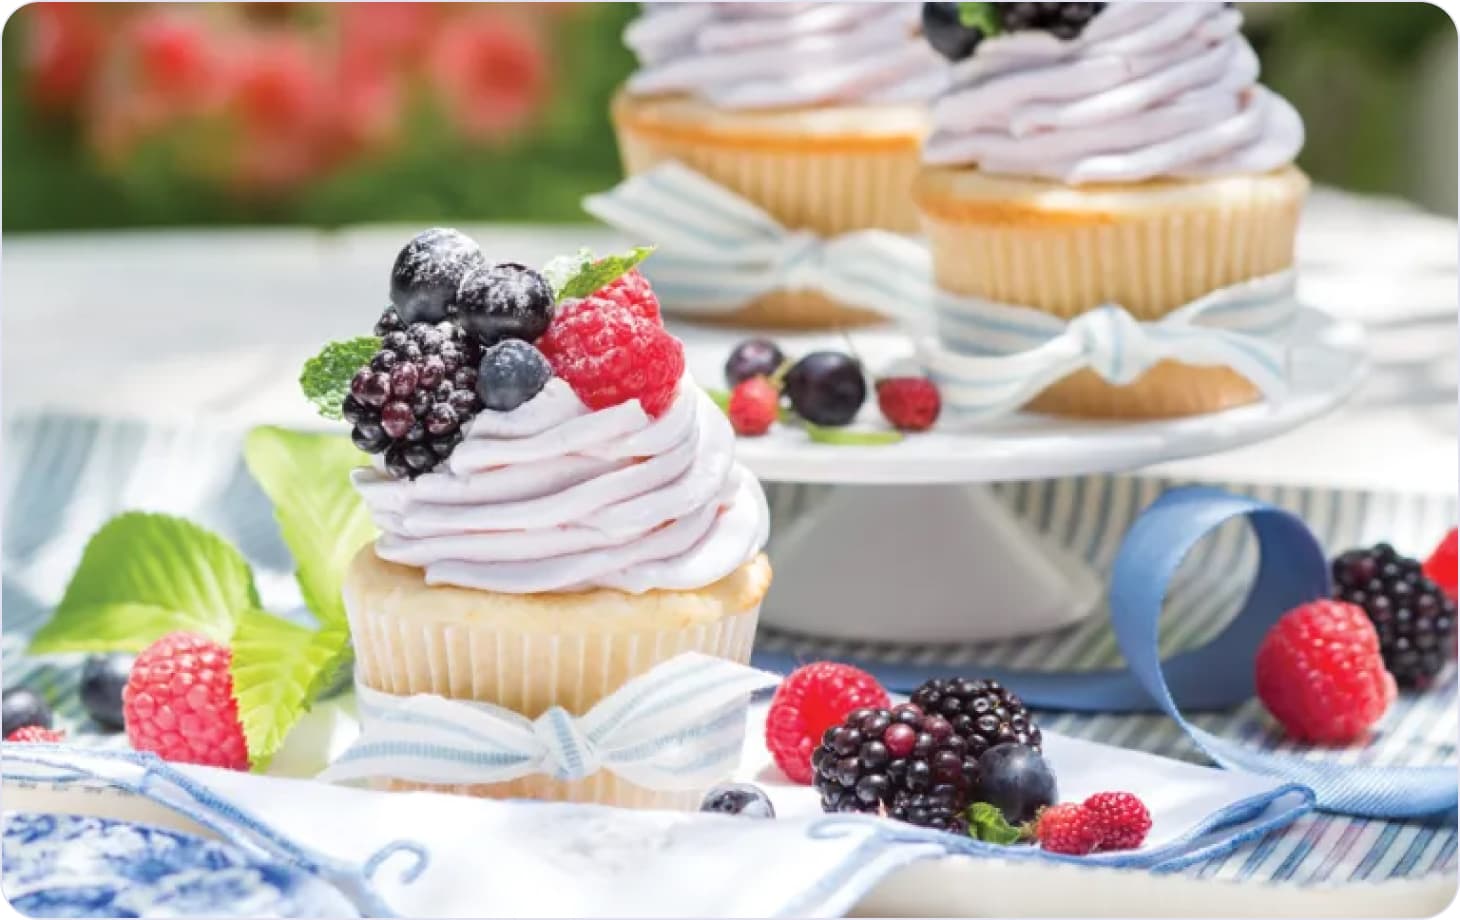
(370, 387)
(441, 420)
(945, 31)
(20, 707)
(371, 441)
(1015, 779)
(389, 323)
(826, 388)
(981, 712)
(427, 273)
(507, 301)
(397, 418)
(353, 410)
(103, 677)
(752, 358)
(1064, 21)
(1414, 617)
(742, 799)
(511, 373)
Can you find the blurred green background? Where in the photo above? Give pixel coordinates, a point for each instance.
(326, 114)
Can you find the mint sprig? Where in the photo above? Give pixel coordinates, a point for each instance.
(986, 822)
(981, 16)
(583, 274)
(326, 377)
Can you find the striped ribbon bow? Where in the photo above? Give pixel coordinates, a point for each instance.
(679, 726)
(717, 251)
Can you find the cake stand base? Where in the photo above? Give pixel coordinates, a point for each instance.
(920, 564)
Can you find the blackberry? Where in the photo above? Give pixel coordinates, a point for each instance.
(410, 401)
(1062, 20)
(1414, 617)
(899, 762)
(982, 712)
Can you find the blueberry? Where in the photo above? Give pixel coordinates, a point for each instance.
(752, 358)
(738, 799)
(507, 301)
(512, 372)
(427, 273)
(103, 677)
(945, 31)
(21, 707)
(1015, 779)
(826, 388)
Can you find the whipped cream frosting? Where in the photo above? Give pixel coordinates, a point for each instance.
(1148, 90)
(768, 55)
(553, 496)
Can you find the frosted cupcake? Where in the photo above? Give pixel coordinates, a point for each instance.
(560, 511)
(812, 111)
(1123, 153)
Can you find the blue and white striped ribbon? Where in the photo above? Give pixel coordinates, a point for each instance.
(717, 251)
(679, 726)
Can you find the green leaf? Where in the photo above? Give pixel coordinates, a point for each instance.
(986, 822)
(842, 437)
(326, 377)
(981, 16)
(720, 398)
(143, 576)
(594, 274)
(278, 670)
(562, 269)
(320, 515)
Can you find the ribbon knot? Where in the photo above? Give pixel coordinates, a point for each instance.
(1114, 344)
(567, 753)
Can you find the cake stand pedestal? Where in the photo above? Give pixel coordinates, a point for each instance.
(912, 548)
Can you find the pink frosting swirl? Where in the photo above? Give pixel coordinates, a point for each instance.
(1148, 90)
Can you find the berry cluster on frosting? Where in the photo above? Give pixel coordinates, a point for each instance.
(956, 29)
(462, 336)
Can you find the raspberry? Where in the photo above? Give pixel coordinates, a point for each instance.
(179, 703)
(610, 354)
(632, 292)
(30, 733)
(754, 406)
(909, 403)
(1067, 829)
(1320, 673)
(1441, 567)
(811, 700)
(1121, 821)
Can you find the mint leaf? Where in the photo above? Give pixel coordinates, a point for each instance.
(278, 668)
(143, 576)
(326, 377)
(320, 515)
(594, 274)
(981, 16)
(844, 438)
(562, 269)
(986, 822)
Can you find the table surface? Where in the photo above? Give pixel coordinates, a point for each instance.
(214, 325)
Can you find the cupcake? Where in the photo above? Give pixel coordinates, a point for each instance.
(1123, 153)
(812, 111)
(559, 505)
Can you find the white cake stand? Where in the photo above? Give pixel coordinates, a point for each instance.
(912, 548)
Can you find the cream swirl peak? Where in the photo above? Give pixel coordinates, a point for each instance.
(767, 55)
(1148, 90)
(553, 496)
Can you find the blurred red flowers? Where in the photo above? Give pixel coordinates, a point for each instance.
(267, 96)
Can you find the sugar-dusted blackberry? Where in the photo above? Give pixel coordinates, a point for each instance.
(1414, 617)
(410, 401)
(983, 712)
(1062, 20)
(900, 762)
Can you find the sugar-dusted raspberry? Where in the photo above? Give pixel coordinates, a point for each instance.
(179, 703)
(631, 291)
(1320, 673)
(1067, 828)
(811, 700)
(609, 355)
(754, 406)
(1121, 820)
(36, 734)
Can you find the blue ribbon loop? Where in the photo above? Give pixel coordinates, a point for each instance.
(1292, 569)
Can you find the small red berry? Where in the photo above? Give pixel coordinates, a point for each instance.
(610, 354)
(34, 733)
(179, 705)
(811, 700)
(1443, 564)
(1067, 829)
(754, 406)
(1320, 673)
(1121, 821)
(631, 291)
(909, 403)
